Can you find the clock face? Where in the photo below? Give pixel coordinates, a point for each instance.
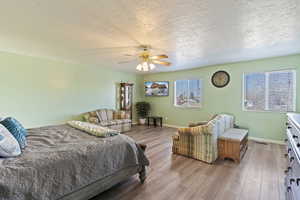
(220, 79)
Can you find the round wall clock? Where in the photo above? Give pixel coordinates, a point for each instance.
(220, 79)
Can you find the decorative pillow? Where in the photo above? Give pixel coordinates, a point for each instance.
(109, 113)
(116, 115)
(93, 129)
(86, 117)
(127, 115)
(94, 120)
(102, 115)
(16, 129)
(93, 114)
(9, 146)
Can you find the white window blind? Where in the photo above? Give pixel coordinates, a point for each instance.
(188, 93)
(270, 91)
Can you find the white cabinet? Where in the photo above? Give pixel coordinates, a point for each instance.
(292, 179)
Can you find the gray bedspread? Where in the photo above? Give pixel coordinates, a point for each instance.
(61, 159)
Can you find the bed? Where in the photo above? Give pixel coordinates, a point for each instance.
(61, 162)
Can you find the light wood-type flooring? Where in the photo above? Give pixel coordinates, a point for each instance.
(259, 176)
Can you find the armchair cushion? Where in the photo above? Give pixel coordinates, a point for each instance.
(235, 134)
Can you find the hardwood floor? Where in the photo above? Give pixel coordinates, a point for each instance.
(259, 176)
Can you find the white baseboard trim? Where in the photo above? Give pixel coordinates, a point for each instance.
(250, 138)
(172, 126)
(266, 140)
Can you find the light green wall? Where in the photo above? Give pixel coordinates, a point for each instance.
(268, 125)
(41, 92)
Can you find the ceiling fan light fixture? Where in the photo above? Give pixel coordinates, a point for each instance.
(139, 67)
(145, 66)
(152, 66)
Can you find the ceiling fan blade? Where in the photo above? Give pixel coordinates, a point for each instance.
(113, 48)
(129, 55)
(161, 62)
(108, 50)
(127, 61)
(158, 57)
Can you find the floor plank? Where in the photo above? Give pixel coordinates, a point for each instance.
(258, 176)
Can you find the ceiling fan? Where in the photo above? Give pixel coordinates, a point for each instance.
(143, 55)
(148, 61)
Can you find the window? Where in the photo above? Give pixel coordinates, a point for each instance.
(188, 93)
(270, 91)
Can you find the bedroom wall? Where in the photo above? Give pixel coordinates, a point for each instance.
(267, 125)
(42, 92)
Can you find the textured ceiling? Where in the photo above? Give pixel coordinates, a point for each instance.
(192, 32)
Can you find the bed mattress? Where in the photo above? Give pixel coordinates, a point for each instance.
(61, 159)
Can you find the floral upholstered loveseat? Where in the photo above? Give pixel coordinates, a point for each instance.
(201, 141)
(114, 119)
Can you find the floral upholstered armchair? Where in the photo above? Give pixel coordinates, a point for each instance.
(114, 119)
(200, 141)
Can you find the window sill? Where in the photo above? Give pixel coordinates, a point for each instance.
(188, 107)
(267, 111)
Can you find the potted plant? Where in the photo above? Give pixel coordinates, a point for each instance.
(142, 109)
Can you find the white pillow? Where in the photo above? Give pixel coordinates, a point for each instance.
(9, 146)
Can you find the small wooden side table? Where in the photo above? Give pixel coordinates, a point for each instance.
(155, 120)
(233, 144)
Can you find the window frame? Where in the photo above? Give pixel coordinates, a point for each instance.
(201, 94)
(267, 74)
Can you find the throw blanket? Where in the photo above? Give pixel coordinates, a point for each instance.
(62, 159)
